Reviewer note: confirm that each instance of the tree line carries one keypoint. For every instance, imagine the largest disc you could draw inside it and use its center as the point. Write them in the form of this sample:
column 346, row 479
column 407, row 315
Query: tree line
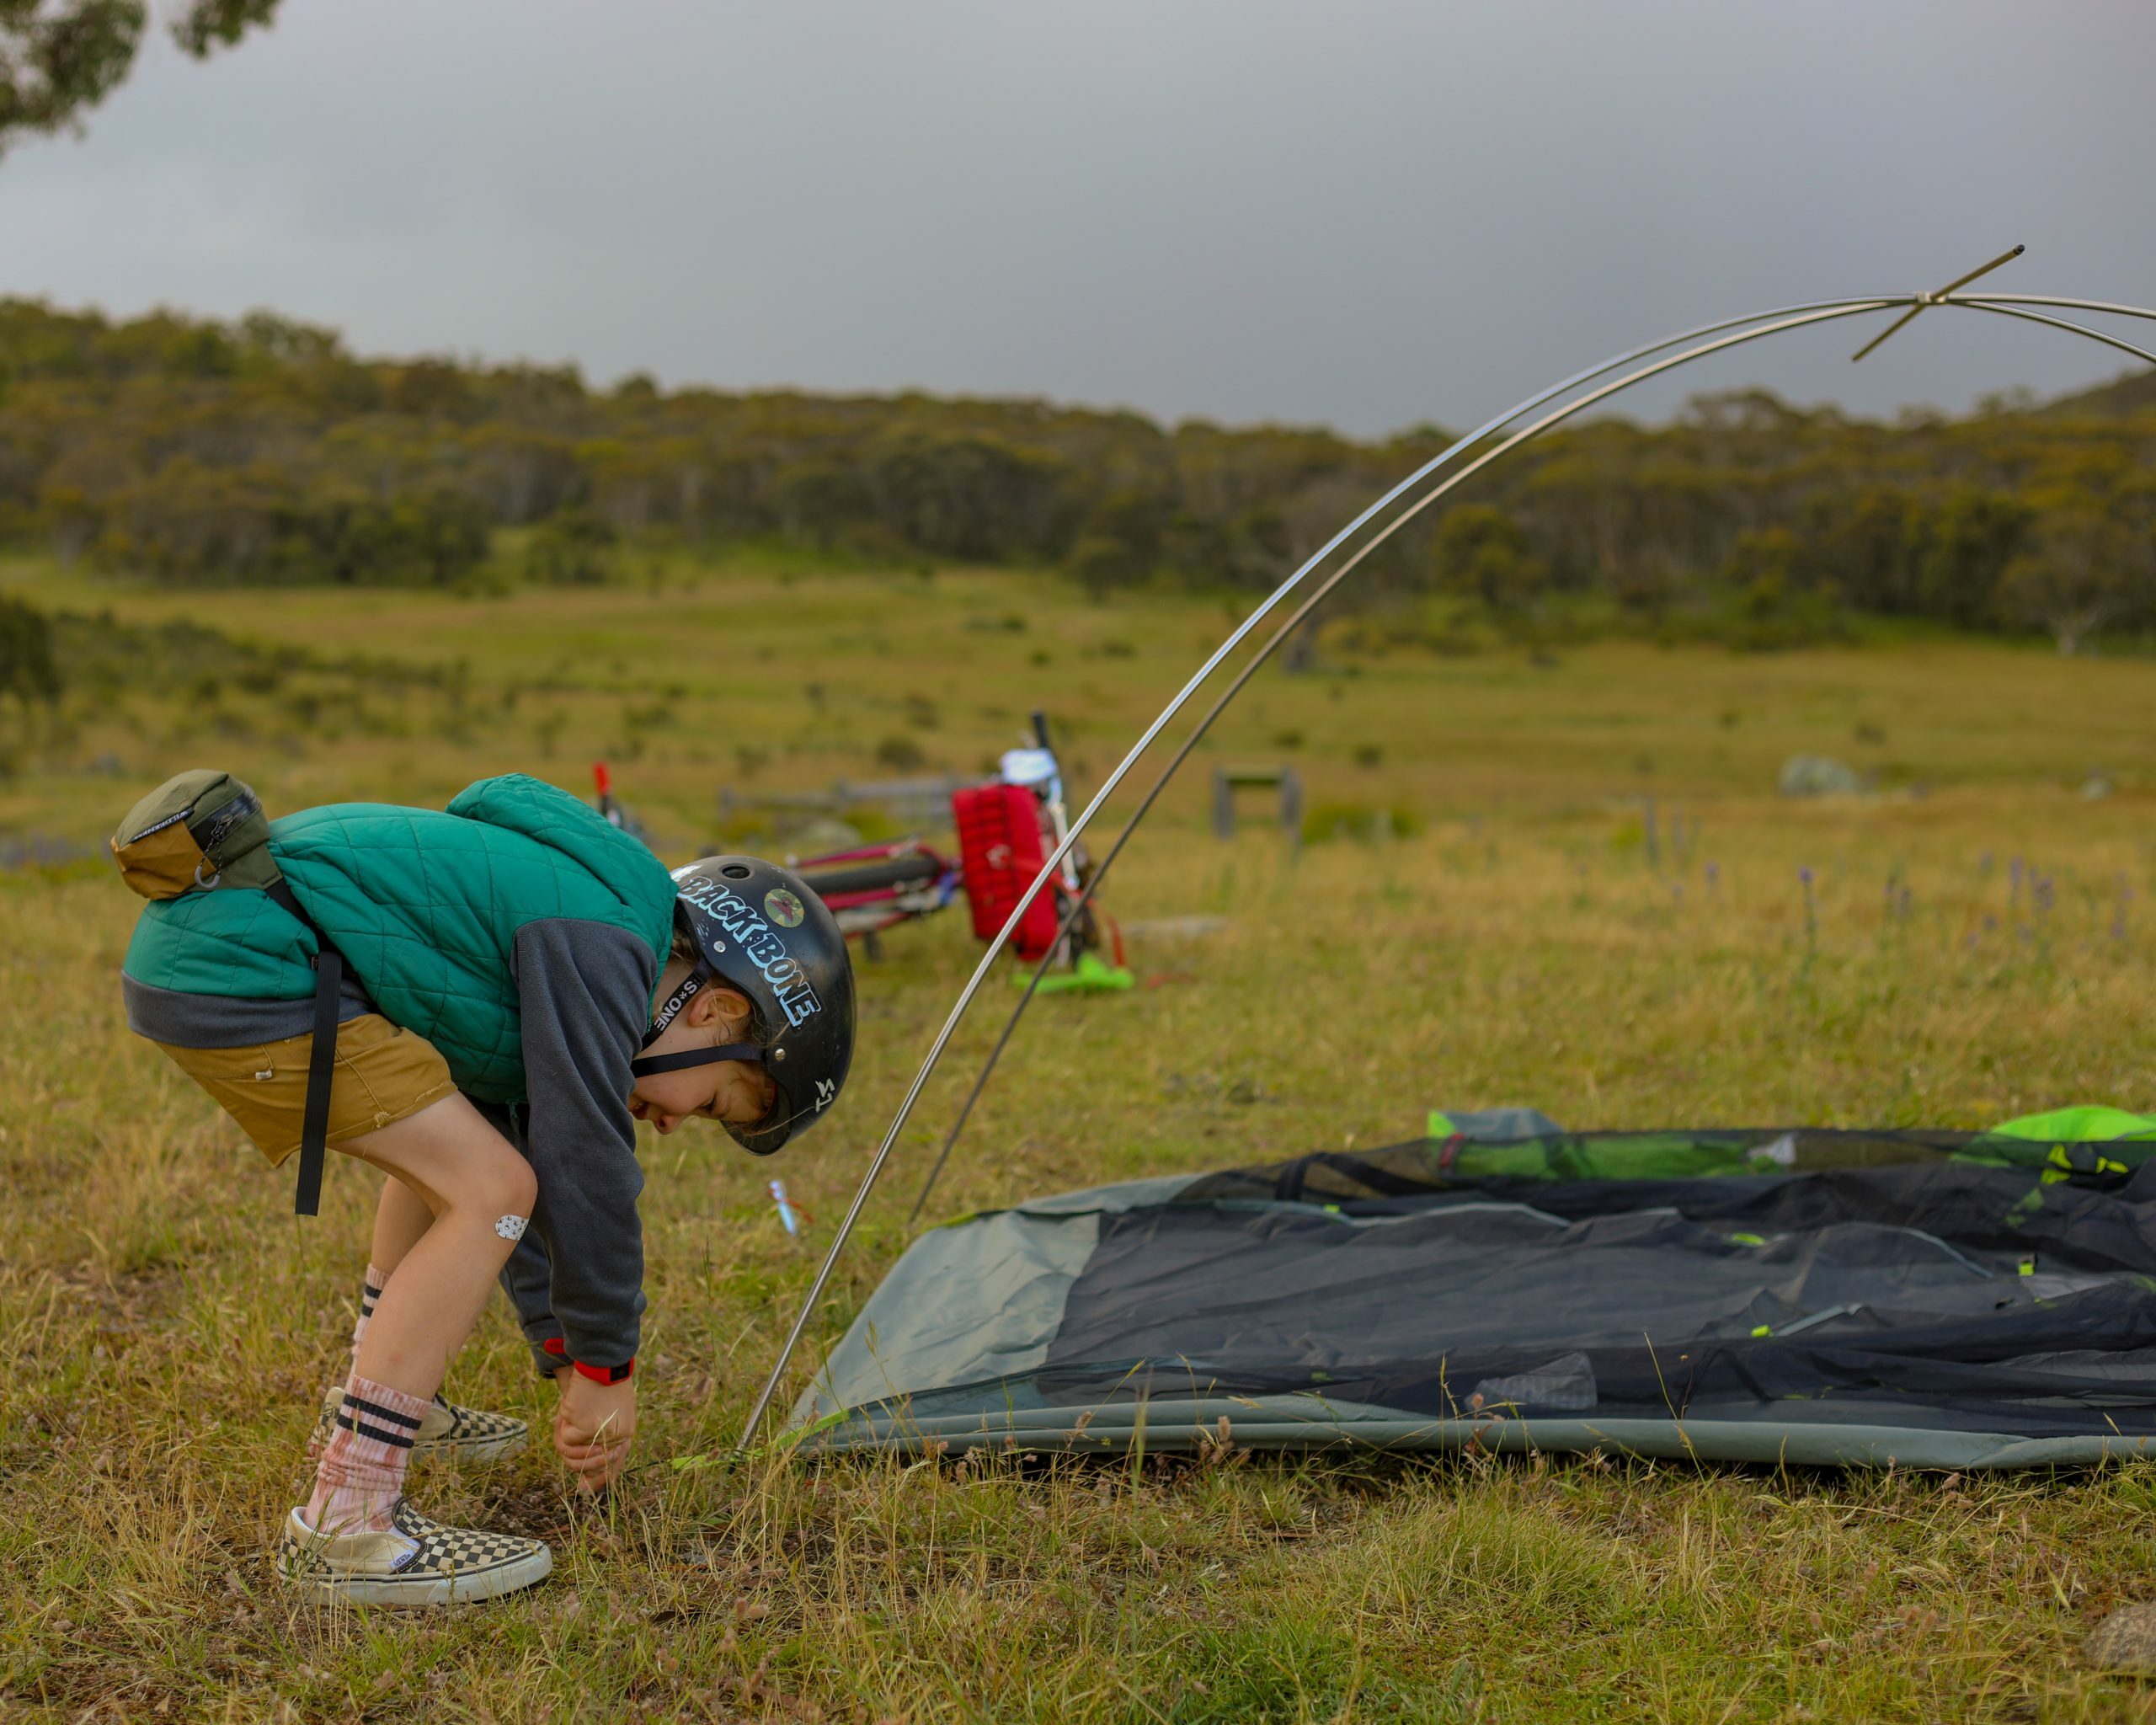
column 261, row 451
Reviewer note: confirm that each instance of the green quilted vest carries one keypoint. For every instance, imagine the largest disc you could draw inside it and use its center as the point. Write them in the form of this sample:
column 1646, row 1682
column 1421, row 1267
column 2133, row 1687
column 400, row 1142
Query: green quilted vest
column 425, row 908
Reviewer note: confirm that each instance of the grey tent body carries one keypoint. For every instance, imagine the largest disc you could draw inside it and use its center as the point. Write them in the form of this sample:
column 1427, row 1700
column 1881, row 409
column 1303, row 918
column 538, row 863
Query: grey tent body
column 1929, row 1300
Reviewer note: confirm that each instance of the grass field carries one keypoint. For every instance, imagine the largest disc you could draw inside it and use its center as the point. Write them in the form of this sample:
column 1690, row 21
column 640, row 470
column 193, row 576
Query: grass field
column 1974, row 942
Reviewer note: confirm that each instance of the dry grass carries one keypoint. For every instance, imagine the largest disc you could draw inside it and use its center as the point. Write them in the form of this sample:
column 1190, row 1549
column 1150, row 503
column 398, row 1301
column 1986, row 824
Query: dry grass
column 164, row 1326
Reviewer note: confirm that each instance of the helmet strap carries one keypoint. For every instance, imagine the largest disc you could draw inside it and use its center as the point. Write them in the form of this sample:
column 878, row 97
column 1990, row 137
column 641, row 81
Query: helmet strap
column 690, row 987
column 651, row 1065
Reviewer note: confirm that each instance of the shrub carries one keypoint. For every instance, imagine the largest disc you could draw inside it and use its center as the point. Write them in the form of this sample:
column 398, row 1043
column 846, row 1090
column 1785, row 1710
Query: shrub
column 901, row 753
column 28, row 669
column 1364, row 821
column 573, row 548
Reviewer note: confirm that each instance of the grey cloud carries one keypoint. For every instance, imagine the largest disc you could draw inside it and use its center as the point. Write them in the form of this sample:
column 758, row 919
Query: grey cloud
column 1367, row 214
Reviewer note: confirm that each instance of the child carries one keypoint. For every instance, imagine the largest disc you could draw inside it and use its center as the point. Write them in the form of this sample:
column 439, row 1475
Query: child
column 504, row 988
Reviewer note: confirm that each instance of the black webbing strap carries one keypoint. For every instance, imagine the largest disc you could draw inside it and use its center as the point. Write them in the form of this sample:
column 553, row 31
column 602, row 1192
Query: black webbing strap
column 321, row 1068
column 646, row 1066
column 321, row 1057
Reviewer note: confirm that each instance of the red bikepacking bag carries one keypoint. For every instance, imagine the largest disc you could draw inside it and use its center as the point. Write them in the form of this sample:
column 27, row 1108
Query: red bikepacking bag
column 1000, row 845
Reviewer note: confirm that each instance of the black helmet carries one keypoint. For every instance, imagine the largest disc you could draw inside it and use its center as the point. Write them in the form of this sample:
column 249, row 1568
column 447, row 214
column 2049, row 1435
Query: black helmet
column 762, row 930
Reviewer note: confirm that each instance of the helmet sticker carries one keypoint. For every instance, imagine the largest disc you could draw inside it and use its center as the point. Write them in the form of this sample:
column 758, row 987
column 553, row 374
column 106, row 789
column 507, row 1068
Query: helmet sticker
column 783, row 908
column 763, row 948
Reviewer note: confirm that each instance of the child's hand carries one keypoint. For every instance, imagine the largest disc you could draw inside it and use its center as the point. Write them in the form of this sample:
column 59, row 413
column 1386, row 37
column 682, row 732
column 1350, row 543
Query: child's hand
column 592, row 1427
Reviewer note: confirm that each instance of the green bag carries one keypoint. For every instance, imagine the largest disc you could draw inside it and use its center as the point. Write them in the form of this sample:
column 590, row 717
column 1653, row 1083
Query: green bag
column 196, row 830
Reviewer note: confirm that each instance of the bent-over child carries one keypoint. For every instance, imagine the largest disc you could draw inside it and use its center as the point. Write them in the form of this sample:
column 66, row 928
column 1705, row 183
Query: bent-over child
column 481, row 1003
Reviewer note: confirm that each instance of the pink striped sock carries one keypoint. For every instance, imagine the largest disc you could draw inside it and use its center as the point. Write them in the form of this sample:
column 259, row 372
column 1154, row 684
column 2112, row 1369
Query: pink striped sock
column 361, row 1472
column 370, row 1292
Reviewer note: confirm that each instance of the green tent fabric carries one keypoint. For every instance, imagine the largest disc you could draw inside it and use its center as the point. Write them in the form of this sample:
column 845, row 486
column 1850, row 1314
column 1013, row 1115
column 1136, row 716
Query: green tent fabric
column 1090, row 976
column 2088, row 1123
column 1924, row 1299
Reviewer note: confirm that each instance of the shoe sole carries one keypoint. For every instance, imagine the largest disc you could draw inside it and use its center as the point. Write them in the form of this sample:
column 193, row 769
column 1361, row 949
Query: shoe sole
column 438, row 1587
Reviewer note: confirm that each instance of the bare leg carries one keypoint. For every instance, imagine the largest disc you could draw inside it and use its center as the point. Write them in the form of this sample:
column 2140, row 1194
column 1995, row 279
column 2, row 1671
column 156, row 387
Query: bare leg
column 466, row 1177
column 399, row 1220
column 401, row 1216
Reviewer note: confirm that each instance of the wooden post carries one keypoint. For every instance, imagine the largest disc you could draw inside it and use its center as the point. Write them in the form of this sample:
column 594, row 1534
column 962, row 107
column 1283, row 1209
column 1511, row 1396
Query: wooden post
column 1285, row 780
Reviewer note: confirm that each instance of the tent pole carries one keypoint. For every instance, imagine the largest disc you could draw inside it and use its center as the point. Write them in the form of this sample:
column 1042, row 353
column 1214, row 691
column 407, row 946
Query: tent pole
column 1933, row 299
column 2065, row 324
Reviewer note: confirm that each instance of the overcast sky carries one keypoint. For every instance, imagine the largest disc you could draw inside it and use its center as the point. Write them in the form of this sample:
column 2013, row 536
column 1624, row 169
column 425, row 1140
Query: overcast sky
column 1370, row 214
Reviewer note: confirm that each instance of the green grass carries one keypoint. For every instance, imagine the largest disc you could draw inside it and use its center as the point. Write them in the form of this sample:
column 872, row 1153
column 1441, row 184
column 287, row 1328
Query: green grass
column 165, row 1325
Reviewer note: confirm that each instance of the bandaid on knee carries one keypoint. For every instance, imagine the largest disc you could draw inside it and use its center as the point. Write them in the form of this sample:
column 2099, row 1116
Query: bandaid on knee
column 512, row 1227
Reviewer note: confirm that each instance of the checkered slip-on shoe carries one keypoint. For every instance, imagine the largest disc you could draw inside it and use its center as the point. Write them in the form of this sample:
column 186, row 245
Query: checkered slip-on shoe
column 444, row 1429
column 419, row 1561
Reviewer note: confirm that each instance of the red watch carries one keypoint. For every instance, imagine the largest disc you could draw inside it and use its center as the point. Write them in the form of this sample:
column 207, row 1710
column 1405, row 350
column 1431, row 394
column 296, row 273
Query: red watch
column 598, row 1374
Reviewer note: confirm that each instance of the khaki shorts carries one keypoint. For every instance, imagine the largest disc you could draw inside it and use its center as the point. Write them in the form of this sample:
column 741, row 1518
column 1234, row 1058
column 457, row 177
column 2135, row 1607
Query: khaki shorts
column 382, row 1074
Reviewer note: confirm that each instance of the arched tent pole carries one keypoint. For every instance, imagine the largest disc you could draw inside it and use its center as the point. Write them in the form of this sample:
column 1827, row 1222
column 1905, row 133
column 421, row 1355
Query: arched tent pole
column 1317, row 597
column 2051, row 299
column 2065, row 324
column 1796, row 316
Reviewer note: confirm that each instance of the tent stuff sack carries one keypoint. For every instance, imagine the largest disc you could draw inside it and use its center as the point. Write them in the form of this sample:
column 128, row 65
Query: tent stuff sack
column 1914, row 1298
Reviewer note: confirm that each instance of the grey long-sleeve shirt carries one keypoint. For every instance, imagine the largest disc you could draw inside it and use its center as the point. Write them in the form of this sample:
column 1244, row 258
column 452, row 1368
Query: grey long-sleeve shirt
column 584, row 989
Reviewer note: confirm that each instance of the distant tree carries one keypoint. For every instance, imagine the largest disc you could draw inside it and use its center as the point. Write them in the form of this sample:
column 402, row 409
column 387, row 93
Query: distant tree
column 1776, row 604
column 1481, row 551
column 574, row 549
column 522, row 475
column 819, row 499
column 433, row 389
column 639, row 482
column 1969, row 539
column 1197, row 548
column 1581, row 504
column 971, row 495
column 73, row 490
column 1868, row 545
column 28, row 669
column 60, row 58
column 191, row 521
column 1762, row 569
column 625, row 481
column 2075, row 577
column 1120, row 543
column 1102, row 566
column 427, row 536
